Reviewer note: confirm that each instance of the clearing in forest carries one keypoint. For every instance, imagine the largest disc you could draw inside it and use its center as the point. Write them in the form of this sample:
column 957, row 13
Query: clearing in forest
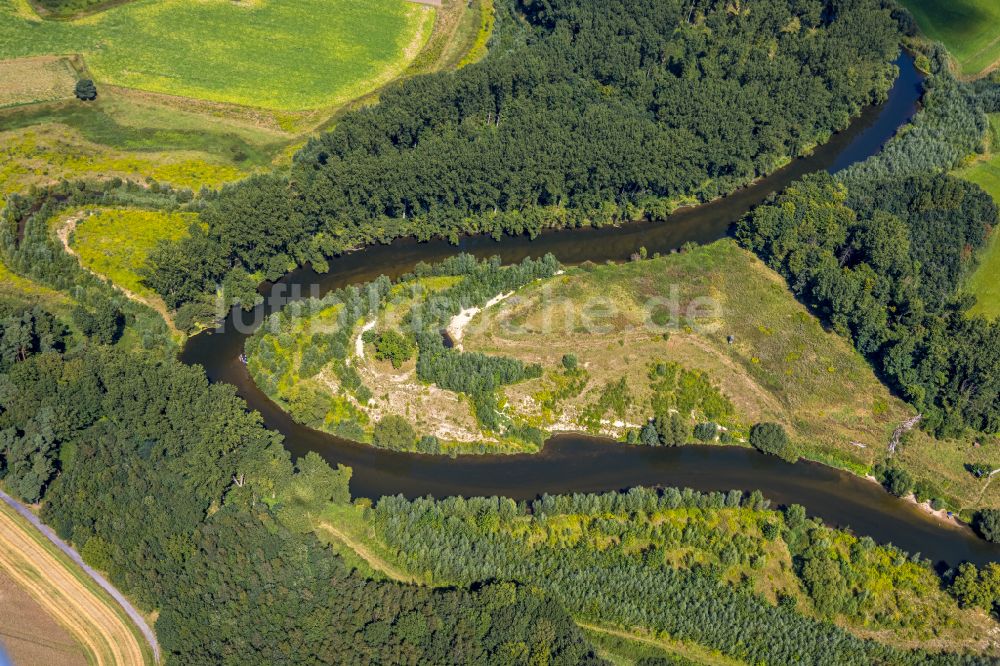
column 115, row 243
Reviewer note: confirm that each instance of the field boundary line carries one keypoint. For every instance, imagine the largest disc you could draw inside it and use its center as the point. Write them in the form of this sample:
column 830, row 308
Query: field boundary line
column 46, row 531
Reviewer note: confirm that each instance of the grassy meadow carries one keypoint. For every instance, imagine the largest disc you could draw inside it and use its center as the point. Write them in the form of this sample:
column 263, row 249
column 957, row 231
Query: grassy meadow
column 115, row 242
column 45, row 154
column 259, row 53
column 970, row 29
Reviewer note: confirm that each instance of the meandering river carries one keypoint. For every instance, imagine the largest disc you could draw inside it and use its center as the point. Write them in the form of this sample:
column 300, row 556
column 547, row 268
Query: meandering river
column 577, row 463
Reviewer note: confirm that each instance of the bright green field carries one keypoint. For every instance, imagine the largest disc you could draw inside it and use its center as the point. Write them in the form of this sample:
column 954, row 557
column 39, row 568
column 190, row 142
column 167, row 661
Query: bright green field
column 985, row 282
column 970, row 29
column 277, row 54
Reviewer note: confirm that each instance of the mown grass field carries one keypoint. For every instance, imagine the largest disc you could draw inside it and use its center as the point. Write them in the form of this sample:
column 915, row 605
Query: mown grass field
column 970, row 29
column 985, row 282
column 31, row 80
column 259, row 53
column 115, row 242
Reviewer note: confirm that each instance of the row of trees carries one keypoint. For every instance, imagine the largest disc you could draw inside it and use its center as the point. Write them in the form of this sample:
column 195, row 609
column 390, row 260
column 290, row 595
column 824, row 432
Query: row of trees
column 659, row 560
column 584, row 113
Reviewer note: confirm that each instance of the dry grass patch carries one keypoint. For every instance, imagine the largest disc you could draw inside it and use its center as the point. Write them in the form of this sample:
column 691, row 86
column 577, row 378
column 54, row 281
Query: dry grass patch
column 66, row 593
column 781, row 366
column 32, row 80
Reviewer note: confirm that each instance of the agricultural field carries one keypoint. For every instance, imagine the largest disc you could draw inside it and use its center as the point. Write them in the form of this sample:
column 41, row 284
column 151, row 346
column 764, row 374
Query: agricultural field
column 33, row 80
column 115, row 242
column 304, row 55
column 100, row 628
column 985, row 171
column 970, row 29
column 29, row 634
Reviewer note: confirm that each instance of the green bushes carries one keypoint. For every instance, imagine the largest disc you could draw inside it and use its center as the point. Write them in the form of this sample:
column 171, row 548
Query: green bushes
column 394, row 347
column 771, row 438
column 987, row 523
column 394, row 432
column 706, row 432
column 85, row 90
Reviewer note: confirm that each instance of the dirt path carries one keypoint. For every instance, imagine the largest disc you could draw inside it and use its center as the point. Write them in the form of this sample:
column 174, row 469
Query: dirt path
column 697, row 653
column 374, row 560
column 359, row 343
column 55, row 575
column 65, row 230
column 456, row 327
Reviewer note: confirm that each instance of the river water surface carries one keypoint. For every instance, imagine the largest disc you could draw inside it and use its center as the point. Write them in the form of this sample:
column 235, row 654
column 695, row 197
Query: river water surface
column 578, row 463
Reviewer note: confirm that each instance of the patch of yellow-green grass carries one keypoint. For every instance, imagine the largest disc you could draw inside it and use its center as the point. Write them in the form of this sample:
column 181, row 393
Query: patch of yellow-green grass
column 115, row 242
column 22, row 290
column 261, row 53
column 44, row 154
column 487, row 16
column 625, row 648
column 969, row 29
column 31, row 80
column 781, row 366
column 942, row 465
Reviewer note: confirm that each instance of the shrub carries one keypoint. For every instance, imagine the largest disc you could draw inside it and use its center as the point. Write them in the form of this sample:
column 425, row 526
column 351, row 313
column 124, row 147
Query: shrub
column 897, row 481
column 570, row 362
column 987, row 523
column 86, row 90
column 394, row 432
column 673, row 430
column 978, row 470
column 394, row 347
column 706, row 432
column 772, row 438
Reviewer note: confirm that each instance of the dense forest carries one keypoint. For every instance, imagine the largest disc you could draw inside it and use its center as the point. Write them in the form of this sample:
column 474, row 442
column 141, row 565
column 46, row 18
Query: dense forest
column 584, row 112
column 884, row 270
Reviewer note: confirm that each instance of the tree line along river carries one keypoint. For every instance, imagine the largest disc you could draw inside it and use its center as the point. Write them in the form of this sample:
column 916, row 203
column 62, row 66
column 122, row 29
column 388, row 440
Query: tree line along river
column 578, row 463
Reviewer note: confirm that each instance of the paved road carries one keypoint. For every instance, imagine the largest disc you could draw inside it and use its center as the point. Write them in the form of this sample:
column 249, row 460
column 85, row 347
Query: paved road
column 134, row 614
